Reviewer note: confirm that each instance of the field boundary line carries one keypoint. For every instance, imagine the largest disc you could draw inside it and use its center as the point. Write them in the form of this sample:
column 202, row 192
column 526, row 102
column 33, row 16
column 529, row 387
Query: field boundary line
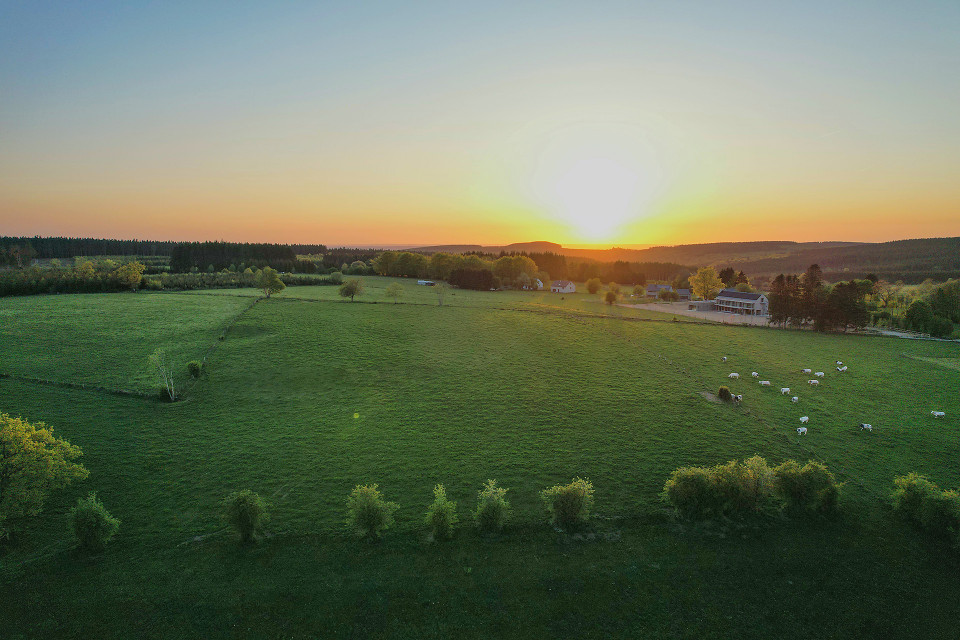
column 77, row 385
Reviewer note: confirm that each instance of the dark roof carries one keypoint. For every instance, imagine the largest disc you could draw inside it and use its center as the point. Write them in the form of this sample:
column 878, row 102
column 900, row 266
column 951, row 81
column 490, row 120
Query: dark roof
column 560, row 283
column 683, row 292
column 658, row 287
column 742, row 295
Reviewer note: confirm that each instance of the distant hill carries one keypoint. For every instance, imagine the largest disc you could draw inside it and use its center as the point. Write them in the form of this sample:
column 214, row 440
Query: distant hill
column 907, row 260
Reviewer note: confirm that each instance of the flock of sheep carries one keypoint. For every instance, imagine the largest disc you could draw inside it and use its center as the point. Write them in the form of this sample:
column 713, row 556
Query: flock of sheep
column 814, row 382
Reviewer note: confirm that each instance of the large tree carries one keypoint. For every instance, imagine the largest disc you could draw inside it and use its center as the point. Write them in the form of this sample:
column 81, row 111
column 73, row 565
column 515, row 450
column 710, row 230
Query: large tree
column 269, row 282
column 706, row 284
column 728, row 276
column 131, row 274
column 351, row 288
column 33, row 462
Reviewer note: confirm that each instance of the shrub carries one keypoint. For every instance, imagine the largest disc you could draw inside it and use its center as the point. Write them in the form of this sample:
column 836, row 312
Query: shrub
column 692, row 492
column 909, row 493
column 336, row 277
column 569, row 505
column 724, row 394
column 92, row 523
column 246, row 512
column 493, row 510
column 940, row 327
column 940, row 514
column 811, row 488
column 367, row 512
column 744, row 486
column 442, row 514
column 925, row 504
column 195, row 368
column 726, row 489
column 593, row 285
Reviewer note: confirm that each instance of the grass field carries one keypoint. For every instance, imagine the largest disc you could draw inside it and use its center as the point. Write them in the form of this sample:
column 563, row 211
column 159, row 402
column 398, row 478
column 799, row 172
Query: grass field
column 525, row 388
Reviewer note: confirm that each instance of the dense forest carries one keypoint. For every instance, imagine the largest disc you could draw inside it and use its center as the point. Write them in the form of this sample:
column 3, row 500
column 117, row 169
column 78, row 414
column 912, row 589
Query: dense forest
column 15, row 250
column 215, row 256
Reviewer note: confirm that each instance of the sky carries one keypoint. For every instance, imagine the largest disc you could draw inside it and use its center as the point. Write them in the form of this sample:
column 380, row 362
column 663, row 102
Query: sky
column 388, row 123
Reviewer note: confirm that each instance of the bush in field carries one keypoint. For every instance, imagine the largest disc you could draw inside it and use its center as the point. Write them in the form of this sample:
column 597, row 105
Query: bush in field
column 441, row 514
column 925, row 504
column 351, row 288
column 593, row 285
column 569, row 505
column 744, row 486
column 692, row 492
column 368, row 514
column 811, row 488
column 909, row 493
column 493, row 510
column 195, row 368
column 246, row 512
column 92, row 523
column 610, row 297
column 733, row 488
column 724, row 394
column 940, row 327
column 336, row 277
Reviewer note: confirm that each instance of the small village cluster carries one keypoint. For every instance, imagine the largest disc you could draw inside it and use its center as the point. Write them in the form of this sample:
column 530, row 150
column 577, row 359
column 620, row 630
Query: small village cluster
column 813, row 382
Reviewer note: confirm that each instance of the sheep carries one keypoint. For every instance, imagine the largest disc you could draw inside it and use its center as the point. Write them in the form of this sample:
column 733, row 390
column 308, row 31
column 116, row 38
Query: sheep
column 813, row 382
column 784, row 390
column 764, row 383
column 839, row 364
column 806, row 370
column 804, row 419
column 794, row 399
column 735, row 376
column 867, row 427
column 843, row 368
column 801, row 431
column 723, row 359
column 755, row 374
column 938, row 414
column 819, row 374
column 738, row 398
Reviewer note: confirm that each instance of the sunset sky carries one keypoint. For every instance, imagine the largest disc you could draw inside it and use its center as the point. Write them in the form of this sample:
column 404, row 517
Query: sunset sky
column 425, row 123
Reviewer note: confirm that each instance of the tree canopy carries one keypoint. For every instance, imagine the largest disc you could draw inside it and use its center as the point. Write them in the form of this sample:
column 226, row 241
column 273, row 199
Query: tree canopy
column 706, row 283
column 33, row 462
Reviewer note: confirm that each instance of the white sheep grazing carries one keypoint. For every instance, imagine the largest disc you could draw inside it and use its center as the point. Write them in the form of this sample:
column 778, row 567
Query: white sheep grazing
column 738, row 398
column 723, row 359
column 804, row 419
column 843, row 368
column 801, row 431
column 867, row 427
column 794, row 399
column 806, row 370
column 813, row 382
column 839, row 364
column 784, row 390
column 839, row 370
column 819, row 374
column 755, row 374
column 938, row 414
column 764, row 383
column 735, row 376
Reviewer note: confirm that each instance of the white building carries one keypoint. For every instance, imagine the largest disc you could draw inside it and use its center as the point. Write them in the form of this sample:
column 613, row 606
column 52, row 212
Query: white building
column 563, row 286
column 741, row 303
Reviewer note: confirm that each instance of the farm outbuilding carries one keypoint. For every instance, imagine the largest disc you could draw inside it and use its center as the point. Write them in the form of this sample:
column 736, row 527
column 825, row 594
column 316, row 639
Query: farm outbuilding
column 654, row 289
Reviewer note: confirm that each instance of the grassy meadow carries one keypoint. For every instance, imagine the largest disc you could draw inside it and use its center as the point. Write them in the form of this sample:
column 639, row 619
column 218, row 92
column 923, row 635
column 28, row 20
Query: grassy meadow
column 309, row 395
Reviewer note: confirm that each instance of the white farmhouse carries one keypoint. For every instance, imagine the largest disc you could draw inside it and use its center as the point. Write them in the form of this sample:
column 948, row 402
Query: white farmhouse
column 741, row 303
column 563, row 286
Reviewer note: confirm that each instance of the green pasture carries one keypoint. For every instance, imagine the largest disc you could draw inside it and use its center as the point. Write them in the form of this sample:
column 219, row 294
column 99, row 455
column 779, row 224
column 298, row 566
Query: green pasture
column 309, row 395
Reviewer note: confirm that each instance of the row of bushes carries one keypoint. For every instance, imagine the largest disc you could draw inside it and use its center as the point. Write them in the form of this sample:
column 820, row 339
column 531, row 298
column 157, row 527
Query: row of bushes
column 751, row 486
column 369, row 514
column 928, row 506
column 734, row 488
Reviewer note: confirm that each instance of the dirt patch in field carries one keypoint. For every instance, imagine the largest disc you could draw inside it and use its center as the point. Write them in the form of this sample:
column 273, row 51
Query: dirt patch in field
column 946, row 363
column 710, row 397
